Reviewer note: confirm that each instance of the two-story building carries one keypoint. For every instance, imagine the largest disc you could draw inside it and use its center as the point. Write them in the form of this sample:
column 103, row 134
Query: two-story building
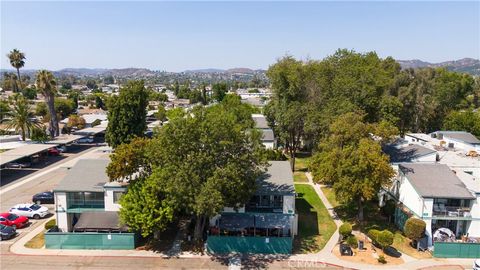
column 434, row 193
column 86, row 210
column 268, row 137
column 266, row 224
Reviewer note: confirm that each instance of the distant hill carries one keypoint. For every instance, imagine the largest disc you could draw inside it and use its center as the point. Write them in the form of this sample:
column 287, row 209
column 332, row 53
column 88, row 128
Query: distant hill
column 465, row 65
column 241, row 70
column 205, row 70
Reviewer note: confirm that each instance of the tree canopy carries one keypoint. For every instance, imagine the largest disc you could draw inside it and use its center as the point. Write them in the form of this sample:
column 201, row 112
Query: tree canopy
column 199, row 164
column 127, row 114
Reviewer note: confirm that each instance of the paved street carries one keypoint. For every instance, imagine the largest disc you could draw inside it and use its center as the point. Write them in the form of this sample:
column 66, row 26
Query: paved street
column 22, row 186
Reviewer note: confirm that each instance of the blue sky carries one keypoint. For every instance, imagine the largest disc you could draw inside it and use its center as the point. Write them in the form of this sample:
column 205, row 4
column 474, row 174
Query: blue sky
column 175, row 36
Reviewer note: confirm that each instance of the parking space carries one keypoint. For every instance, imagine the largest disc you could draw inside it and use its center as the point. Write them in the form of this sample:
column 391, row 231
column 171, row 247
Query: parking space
column 40, row 162
column 23, row 231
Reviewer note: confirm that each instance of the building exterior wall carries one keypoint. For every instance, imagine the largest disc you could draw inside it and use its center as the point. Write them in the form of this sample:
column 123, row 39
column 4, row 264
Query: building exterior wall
column 61, row 215
column 289, row 204
column 474, row 228
column 269, row 144
column 110, row 204
column 409, row 196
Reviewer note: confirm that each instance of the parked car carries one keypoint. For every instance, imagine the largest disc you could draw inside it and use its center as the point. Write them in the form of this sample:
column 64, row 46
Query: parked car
column 62, row 148
column 31, row 210
column 85, row 140
column 13, row 220
column 7, row 232
column 43, row 198
column 53, row 151
column 18, row 165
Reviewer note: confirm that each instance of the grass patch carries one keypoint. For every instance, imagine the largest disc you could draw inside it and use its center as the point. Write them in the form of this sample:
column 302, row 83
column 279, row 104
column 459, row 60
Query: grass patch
column 315, row 226
column 36, row 242
column 300, row 177
column 301, row 161
column 332, row 199
column 402, row 243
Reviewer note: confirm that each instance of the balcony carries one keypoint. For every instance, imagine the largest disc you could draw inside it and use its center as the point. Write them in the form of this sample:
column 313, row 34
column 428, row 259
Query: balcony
column 441, row 210
column 79, row 202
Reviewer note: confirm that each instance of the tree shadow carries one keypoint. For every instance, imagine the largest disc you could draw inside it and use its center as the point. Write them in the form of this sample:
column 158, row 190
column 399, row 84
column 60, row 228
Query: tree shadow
column 306, row 240
column 392, row 252
column 164, row 242
column 250, row 261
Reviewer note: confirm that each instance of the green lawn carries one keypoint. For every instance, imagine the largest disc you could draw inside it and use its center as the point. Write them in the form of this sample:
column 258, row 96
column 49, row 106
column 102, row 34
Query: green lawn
column 315, row 226
column 300, row 177
column 301, row 161
column 330, row 196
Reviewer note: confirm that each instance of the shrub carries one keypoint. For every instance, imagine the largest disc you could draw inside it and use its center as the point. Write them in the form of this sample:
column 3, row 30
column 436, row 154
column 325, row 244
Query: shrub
column 414, row 228
column 352, row 241
column 50, row 224
column 385, row 238
column 381, row 259
column 373, row 234
column 345, row 229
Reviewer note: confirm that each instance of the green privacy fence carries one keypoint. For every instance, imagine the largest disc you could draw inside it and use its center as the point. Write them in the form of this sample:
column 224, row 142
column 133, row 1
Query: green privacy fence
column 456, row 250
column 60, row 240
column 246, row 244
column 400, row 218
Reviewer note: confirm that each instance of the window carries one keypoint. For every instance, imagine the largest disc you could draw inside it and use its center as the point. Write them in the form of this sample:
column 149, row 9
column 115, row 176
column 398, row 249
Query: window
column 116, row 196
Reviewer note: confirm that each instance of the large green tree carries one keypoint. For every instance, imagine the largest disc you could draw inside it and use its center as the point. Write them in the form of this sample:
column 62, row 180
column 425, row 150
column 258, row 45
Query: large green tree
column 21, row 117
column 352, row 161
column 17, row 60
column 286, row 112
column 127, row 114
column 47, row 85
column 199, row 164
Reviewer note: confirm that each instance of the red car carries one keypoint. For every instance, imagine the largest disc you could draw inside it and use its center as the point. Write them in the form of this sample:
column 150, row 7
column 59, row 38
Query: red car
column 53, row 151
column 13, row 220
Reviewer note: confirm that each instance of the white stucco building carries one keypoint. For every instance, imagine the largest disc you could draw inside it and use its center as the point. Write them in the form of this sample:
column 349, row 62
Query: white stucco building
column 86, row 189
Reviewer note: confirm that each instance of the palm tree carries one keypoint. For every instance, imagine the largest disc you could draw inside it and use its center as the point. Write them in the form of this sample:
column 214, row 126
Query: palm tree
column 21, row 117
column 47, row 85
column 17, row 60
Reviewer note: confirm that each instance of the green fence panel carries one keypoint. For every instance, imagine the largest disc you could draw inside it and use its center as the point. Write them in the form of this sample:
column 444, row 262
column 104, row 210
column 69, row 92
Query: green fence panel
column 54, row 240
column 400, row 218
column 456, row 250
column 264, row 245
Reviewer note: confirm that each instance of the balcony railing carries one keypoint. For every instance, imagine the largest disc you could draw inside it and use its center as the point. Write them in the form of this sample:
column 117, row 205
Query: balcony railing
column 451, row 211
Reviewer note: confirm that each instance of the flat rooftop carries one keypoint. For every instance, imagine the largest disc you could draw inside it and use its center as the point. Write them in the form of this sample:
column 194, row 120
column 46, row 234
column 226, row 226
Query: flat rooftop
column 435, row 181
column 23, row 151
column 87, row 175
column 277, row 180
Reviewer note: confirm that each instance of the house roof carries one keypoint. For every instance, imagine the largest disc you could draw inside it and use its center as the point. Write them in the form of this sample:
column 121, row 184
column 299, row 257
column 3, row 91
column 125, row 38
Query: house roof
column 461, row 136
column 260, row 121
column 99, row 221
column 277, row 180
column 407, row 153
column 25, row 150
column 86, row 175
column 435, row 181
column 267, row 135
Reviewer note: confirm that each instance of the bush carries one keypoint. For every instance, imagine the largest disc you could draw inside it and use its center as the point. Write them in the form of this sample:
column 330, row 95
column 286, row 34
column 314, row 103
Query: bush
column 373, row 234
column 345, row 229
column 381, row 259
column 39, row 135
column 352, row 241
column 50, row 224
column 414, row 228
column 385, row 238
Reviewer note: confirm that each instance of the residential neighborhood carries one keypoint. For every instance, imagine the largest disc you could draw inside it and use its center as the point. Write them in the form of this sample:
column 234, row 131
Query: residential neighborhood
column 240, row 135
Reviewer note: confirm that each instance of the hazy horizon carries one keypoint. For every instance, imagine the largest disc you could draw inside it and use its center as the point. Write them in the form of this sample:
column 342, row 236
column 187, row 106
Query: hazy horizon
column 179, row 36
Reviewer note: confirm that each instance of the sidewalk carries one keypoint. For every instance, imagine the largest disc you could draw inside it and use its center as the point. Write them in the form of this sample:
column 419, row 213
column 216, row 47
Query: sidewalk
column 326, row 254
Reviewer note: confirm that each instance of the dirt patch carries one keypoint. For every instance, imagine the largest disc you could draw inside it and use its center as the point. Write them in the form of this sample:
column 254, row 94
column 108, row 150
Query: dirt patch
column 368, row 255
